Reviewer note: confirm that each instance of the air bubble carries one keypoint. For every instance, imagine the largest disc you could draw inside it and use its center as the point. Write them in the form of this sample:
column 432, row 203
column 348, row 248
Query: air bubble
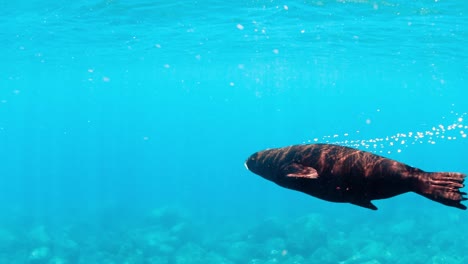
column 447, row 131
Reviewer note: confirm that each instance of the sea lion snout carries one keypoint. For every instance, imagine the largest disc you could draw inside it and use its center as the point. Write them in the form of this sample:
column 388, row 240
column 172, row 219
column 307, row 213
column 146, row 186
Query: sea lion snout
column 259, row 163
column 251, row 162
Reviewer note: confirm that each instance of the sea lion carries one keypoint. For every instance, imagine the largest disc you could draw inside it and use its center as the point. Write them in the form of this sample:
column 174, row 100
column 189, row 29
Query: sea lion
column 346, row 175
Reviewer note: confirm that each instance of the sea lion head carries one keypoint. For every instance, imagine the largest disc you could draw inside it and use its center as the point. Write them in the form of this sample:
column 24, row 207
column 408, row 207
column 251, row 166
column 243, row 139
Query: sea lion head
column 252, row 163
column 260, row 164
column 281, row 165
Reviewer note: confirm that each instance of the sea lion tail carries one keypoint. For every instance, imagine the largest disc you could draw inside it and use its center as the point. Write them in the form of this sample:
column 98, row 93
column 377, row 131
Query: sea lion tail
column 443, row 187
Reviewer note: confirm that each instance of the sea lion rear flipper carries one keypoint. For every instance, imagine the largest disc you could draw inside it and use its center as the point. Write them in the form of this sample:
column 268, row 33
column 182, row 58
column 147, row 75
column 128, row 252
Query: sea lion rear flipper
column 365, row 204
column 442, row 187
column 300, row 171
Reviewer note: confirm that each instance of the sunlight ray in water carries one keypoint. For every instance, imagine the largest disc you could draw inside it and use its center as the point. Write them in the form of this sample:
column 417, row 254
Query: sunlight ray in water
column 124, row 125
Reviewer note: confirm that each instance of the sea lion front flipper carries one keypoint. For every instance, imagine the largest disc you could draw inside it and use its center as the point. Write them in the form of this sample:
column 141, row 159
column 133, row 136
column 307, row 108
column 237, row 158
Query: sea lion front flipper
column 300, row 171
column 365, row 204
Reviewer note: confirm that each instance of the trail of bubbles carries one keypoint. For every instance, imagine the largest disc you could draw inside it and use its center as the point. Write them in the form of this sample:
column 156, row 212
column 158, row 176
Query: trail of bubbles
column 450, row 131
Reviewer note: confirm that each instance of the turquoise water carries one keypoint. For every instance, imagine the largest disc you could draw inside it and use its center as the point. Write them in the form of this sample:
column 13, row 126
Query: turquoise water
column 124, row 127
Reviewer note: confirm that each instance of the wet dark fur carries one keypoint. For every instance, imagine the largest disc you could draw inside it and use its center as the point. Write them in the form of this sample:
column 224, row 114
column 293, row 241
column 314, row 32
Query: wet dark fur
column 353, row 176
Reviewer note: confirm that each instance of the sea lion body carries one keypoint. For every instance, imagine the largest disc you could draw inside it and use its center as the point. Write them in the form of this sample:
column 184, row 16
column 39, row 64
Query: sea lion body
column 342, row 174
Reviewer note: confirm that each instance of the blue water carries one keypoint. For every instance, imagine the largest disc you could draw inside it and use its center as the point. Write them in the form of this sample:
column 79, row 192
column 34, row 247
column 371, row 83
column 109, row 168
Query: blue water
column 124, row 126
